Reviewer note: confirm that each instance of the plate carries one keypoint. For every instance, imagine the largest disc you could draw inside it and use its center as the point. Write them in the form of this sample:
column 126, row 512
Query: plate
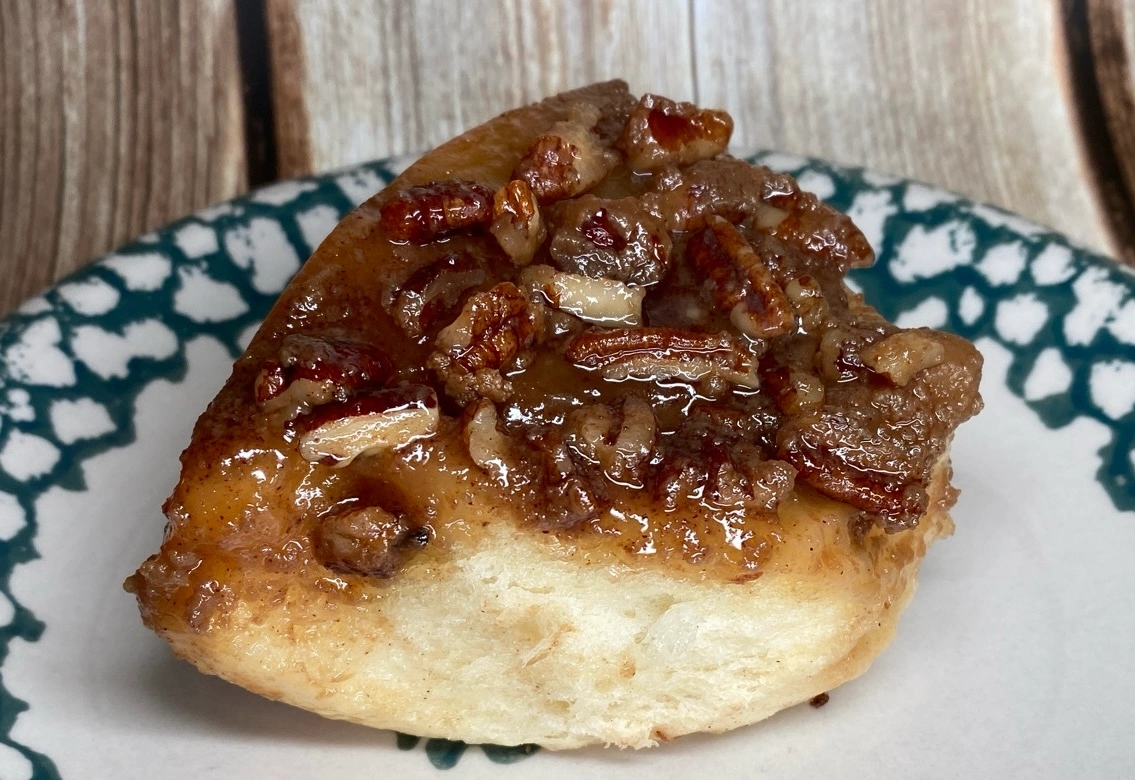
column 1015, row 658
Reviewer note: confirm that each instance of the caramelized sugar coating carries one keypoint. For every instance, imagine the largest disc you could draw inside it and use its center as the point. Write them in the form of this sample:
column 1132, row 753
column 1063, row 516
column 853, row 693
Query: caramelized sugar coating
column 639, row 344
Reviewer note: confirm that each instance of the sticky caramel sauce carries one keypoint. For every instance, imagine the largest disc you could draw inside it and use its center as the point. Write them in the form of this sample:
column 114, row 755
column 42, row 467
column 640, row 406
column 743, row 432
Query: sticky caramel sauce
column 248, row 502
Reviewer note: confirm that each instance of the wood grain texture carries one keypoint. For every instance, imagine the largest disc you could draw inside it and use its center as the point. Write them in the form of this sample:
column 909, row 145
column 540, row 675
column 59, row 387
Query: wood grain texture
column 381, row 77
column 115, row 117
column 968, row 96
column 1111, row 31
column 971, row 97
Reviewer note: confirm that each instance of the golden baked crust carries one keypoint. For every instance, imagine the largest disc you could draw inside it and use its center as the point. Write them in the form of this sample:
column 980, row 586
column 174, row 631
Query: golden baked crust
column 439, row 578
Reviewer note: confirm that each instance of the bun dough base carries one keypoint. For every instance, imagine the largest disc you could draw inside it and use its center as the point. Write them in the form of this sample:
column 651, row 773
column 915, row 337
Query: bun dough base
column 512, row 638
column 495, row 632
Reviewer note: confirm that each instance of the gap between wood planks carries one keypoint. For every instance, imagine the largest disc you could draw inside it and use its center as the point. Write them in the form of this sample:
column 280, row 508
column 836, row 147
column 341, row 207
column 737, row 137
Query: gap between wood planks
column 1083, row 27
column 256, row 82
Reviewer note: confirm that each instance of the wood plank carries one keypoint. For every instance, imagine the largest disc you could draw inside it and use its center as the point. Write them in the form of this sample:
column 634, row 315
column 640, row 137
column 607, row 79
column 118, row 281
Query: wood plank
column 115, row 117
column 970, row 98
column 360, row 80
column 1111, row 26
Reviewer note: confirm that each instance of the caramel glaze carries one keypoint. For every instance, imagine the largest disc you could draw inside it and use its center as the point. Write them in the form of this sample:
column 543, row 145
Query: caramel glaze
column 248, row 501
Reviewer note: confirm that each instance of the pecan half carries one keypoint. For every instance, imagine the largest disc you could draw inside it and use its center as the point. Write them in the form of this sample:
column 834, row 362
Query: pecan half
column 663, row 353
column 492, row 330
column 661, row 132
column 567, row 160
column 316, row 368
column 368, row 541
column 425, row 212
column 617, row 239
column 517, row 224
column 599, row 301
column 433, row 290
column 741, row 283
column 336, row 434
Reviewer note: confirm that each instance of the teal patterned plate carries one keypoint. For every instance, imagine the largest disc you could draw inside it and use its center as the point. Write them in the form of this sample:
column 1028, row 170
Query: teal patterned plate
column 1015, row 660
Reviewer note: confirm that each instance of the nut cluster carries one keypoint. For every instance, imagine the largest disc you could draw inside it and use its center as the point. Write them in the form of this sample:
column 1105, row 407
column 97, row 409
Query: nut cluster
column 629, row 263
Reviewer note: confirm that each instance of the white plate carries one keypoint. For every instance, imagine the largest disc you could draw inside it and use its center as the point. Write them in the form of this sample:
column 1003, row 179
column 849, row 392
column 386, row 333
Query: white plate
column 1015, row 659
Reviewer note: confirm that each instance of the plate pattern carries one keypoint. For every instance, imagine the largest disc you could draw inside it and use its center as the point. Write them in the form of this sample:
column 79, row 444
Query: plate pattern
column 73, row 360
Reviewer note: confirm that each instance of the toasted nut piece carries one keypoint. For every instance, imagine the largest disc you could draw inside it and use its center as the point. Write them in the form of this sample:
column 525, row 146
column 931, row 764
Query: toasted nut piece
column 621, row 441
column 433, row 290
column 742, row 284
column 678, row 477
column 336, row 434
column 567, row 160
column 315, row 368
column 739, row 475
column 517, row 224
column 839, row 357
column 599, row 301
column 426, row 212
column 492, row 330
column 368, row 541
column 662, row 132
column 297, row 397
column 635, row 443
column 617, row 239
column 796, row 391
column 664, row 353
column 488, row 447
column 808, row 301
column 744, row 194
column 902, row 355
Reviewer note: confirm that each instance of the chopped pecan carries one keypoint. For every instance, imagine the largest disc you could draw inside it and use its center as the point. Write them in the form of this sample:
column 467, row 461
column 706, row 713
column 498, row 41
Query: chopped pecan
column 426, row 212
column 741, row 283
column 662, row 132
column 368, row 541
column 568, row 495
column 796, row 391
column 517, row 224
column 679, row 476
column 336, row 434
column 873, row 444
column 433, row 290
column 902, row 355
column 620, row 440
column 763, row 200
column 572, row 501
column 617, row 239
column 865, row 469
column 808, row 301
column 740, row 476
column 567, row 160
column 599, row 301
column 839, row 356
column 315, row 368
column 663, row 353
column 492, row 330
column 488, row 446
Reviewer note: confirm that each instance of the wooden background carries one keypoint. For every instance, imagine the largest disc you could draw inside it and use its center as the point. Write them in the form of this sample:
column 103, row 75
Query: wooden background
column 117, row 116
